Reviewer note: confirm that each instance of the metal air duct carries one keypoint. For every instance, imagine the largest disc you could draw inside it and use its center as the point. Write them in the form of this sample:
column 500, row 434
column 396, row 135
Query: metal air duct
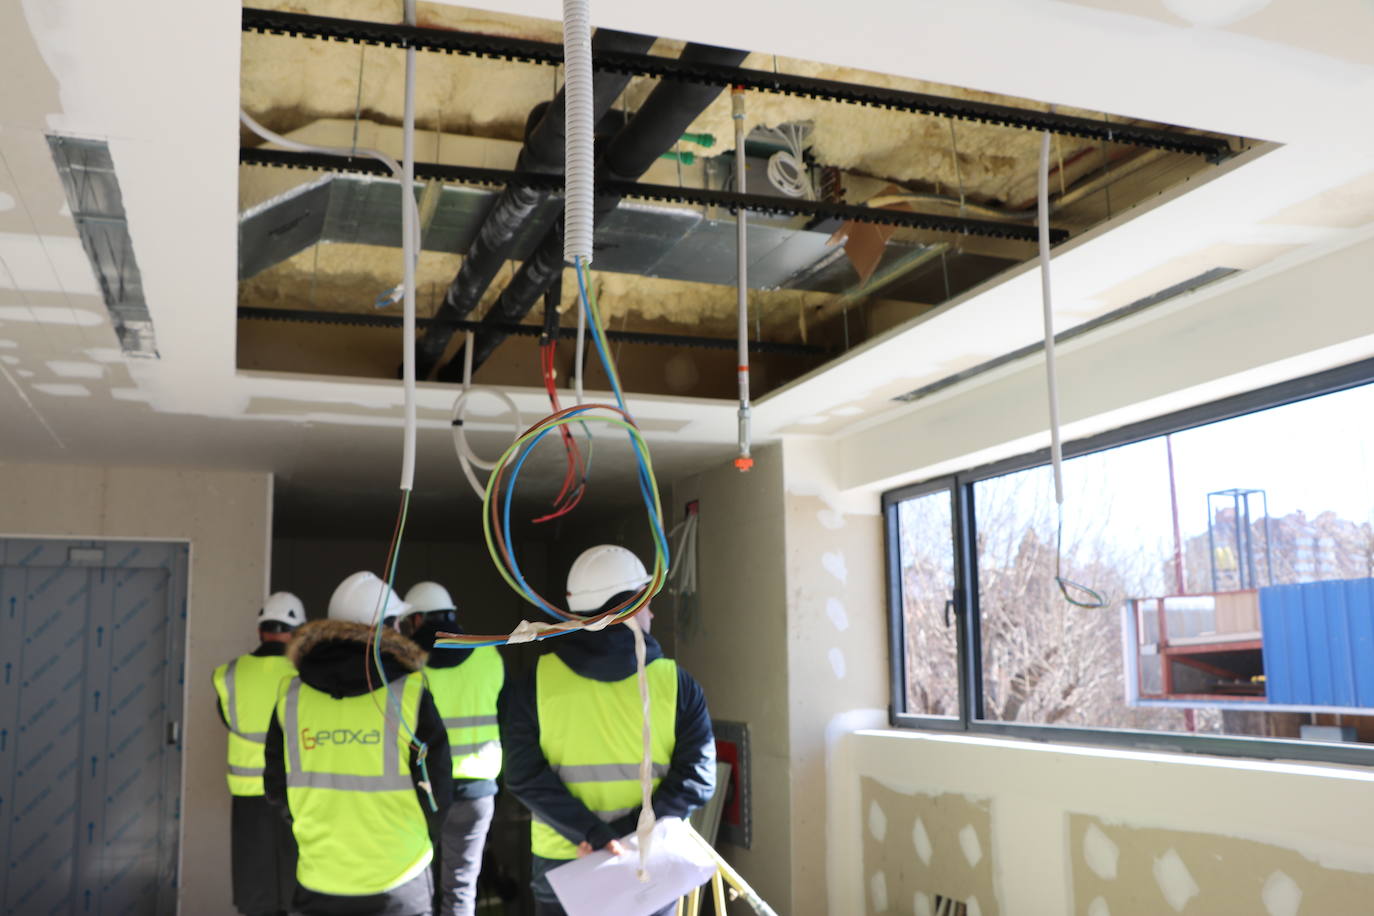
column 656, row 126
column 543, row 152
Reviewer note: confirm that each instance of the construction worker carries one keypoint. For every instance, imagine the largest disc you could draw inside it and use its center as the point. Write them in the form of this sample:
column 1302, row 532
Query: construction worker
column 343, row 757
column 262, row 850
column 572, row 732
column 465, row 684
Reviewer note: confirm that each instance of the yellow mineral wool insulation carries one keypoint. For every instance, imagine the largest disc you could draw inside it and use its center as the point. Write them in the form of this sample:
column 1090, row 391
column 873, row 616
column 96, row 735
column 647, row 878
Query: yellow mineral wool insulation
column 348, row 278
column 288, row 82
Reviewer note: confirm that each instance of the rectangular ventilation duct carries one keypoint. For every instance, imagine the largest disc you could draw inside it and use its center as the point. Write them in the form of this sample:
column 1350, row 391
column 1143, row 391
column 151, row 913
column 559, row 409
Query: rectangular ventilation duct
column 648, row 239
column 88, row 176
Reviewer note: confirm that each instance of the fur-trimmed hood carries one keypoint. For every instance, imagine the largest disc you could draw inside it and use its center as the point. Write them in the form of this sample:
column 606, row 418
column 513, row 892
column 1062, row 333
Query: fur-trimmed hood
column 331, row 654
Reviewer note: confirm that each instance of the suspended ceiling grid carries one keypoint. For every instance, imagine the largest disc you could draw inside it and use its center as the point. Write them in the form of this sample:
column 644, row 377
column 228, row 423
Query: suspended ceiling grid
column 467, row 107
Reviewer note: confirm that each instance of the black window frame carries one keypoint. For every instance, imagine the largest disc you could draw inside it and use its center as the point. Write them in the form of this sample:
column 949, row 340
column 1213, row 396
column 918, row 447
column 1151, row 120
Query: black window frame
column 960, row 486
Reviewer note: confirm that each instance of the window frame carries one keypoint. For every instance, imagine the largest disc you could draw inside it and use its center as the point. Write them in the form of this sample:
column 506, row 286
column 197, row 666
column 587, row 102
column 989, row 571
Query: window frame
column 960, row 486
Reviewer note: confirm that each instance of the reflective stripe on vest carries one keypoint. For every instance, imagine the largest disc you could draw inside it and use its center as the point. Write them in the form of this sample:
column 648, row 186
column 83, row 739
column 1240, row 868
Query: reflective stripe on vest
column 247, row 687
column 466, row 697
column 591, row 733
column 359, row 826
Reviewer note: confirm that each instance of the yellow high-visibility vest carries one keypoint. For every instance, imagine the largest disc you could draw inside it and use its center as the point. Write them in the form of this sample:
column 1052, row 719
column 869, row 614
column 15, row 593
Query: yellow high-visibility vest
column 466, row 698
column 358, row 823
column 592, row 735
column 247, row 688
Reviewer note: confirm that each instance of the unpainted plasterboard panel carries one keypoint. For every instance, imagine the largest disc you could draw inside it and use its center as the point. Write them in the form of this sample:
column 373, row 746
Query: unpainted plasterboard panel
column 920, row 847
column 1127, row 870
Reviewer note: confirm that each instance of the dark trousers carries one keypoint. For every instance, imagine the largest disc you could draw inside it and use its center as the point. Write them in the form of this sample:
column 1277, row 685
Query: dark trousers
column 414, row 898
column 263, row 857
column 461, row 841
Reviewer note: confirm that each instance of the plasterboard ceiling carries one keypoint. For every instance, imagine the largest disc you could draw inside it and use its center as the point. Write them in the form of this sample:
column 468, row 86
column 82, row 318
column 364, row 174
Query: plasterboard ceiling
column 1281, row 74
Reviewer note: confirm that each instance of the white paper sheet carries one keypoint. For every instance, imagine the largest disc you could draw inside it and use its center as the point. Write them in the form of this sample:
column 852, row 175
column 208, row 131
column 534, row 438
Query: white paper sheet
column 604, row 885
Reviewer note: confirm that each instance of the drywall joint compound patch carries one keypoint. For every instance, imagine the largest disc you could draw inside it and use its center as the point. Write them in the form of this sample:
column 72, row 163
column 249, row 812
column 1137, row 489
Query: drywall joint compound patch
column 1175, row 882
column 1100, row 853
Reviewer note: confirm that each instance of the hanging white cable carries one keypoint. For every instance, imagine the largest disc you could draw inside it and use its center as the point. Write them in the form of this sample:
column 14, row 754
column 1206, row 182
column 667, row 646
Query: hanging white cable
column 410, row 243
column 745, row 461
column 644, row 829
column 1043, row 220
column 348, row 152
column 410, row 236
column 579, row 144
column 1068, row 588
column 467, row 458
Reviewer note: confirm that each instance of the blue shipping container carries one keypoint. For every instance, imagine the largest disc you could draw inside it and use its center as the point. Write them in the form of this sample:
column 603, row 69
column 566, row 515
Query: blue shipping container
column 1319, row 643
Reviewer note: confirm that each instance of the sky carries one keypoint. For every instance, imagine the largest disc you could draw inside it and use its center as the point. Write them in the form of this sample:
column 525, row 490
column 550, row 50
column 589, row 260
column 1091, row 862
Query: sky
column 1312, row 456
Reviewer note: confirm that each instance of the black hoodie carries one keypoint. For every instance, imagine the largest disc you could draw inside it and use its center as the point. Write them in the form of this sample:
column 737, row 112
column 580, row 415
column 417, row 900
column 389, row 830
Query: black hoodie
column 608, row 655
column 329, row 656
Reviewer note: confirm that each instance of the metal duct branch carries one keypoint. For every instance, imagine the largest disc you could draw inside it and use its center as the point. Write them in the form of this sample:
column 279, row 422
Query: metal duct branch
column 656, row 126
column 542, row 153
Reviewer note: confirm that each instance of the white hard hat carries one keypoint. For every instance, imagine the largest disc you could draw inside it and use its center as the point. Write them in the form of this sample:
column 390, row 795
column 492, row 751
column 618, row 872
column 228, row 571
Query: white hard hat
column 424, row 597
column 358, row 598
column 601, row 573
column 282, row 607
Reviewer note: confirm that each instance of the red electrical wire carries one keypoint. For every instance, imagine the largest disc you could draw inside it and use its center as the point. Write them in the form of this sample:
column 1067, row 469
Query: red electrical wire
column 572, row 490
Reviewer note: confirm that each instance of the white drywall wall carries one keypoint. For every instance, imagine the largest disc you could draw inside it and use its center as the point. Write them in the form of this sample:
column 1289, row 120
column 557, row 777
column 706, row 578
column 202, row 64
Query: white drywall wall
column 226, row 517
column 1321, row 812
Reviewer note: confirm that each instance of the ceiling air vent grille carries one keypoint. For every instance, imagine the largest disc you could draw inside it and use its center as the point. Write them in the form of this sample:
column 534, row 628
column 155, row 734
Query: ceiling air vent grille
column 1169, row 292
column 93, row 195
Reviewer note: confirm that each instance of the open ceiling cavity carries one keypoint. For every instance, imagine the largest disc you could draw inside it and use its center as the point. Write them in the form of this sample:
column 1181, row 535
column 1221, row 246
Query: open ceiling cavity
column 903, row 195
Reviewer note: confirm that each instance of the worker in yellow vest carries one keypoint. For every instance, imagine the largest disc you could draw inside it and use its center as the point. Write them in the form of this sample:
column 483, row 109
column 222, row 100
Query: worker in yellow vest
column 358, row 756
column 572, row 731
column 466, row 684
column 262, row 850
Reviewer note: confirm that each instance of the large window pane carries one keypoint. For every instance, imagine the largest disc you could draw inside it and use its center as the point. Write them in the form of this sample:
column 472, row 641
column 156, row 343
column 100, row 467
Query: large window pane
column 929, row 628
column 1238, row 588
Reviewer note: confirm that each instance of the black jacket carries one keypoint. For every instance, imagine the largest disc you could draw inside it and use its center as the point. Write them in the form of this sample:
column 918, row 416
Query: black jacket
column 329, row 656
column 608, row 655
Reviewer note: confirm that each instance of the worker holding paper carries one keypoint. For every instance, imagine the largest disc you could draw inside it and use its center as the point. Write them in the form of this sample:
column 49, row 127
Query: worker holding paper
column 572, row 731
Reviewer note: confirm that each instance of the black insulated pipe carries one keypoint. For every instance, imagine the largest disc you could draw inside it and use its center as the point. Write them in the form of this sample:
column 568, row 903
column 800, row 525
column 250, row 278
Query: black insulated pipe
column 658, row 124
column 542, row 152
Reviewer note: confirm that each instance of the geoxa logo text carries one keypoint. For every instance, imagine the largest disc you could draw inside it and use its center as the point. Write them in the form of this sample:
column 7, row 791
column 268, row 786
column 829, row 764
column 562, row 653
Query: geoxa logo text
column 339, row 736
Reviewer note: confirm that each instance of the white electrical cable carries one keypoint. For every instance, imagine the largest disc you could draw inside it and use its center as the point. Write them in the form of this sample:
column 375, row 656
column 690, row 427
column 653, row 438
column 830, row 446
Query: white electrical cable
column 1043, row 220
column 467, row 458
column 410, row 236
column 787, row 169
column 579, row 144
column 410, row 243
column 348, row 152
column 644, row 829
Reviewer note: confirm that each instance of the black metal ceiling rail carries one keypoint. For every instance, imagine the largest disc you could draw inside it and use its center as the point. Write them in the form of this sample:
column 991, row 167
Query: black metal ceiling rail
column 371, row 320
column 272, row 22
column 757, row 203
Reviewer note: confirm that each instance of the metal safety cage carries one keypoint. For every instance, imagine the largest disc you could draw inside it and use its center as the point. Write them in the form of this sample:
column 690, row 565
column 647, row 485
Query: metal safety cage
column 964, row 531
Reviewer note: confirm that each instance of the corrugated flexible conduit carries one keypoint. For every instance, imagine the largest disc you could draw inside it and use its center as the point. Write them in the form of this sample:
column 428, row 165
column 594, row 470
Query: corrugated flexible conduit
column 578, row 228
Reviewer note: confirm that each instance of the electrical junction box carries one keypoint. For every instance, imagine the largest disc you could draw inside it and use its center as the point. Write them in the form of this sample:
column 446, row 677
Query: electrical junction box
column 732, row 747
